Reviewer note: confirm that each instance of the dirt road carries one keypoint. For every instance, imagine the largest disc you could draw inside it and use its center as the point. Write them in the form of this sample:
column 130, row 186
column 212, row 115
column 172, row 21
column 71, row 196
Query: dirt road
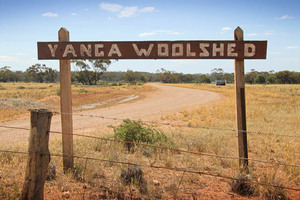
column 163, row 100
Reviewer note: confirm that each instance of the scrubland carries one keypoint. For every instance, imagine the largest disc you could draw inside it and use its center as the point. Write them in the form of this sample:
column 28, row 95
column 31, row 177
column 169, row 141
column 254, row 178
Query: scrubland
column 273, row 114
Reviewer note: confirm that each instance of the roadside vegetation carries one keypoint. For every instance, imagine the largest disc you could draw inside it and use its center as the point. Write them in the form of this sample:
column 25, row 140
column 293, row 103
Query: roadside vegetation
column 89, row 72
column 270, row 109
column 23, row 96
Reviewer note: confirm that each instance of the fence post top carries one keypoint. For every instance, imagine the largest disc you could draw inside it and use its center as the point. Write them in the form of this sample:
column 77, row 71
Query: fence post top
column 63, row 34
column 40, row 111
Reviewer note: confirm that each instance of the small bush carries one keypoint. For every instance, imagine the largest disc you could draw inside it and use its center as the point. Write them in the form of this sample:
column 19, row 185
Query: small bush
column 21, row 87
column 241, row 186
column 274, row 193
column 134, row 175
column 82, row 91
column 138, row 132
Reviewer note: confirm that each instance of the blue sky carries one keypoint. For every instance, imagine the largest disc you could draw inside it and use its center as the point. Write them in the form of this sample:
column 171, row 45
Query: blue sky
column 24, row 23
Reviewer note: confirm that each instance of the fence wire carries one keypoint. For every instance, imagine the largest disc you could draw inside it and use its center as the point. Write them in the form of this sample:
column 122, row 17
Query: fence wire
column 164, row 148
column 158, row 167
column 170, row 124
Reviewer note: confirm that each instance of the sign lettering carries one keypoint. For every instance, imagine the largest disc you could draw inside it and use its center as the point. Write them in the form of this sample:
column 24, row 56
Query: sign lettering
column 153, row 50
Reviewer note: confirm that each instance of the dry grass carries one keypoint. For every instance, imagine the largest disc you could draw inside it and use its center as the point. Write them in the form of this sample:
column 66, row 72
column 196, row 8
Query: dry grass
column 47, row 95
column 270, row 108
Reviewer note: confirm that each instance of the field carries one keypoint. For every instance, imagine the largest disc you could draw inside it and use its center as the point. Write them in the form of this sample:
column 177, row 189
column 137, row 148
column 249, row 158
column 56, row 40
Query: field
column 273, row 113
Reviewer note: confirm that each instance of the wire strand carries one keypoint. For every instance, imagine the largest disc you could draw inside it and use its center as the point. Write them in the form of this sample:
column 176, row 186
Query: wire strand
column 159, row 167
column 164, row 148
column 171, row 124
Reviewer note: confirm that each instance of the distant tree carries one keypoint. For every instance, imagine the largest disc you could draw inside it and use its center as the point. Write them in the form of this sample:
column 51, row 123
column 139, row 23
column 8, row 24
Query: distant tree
column 166, row 76
column 90, row 71
column 229, row 77
column 131, row 76
column 6, row 75
column 217, row 74
column 149, row 77
column 40, row 73
column 270, row 79
column 285, row 77
column 249, row 77
column 260, row 79
column 205, row 79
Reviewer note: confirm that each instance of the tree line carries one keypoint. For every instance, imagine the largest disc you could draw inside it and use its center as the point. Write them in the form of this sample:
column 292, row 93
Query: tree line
column 90, row 72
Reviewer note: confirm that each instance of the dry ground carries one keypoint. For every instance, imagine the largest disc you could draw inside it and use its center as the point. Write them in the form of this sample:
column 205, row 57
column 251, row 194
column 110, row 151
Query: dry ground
column 161, row 101
column 272, row 109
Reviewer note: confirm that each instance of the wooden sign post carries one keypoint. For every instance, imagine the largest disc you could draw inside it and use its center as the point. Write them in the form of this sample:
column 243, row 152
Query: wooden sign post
column 66, row 106
column 238, row 49
column 239, row 79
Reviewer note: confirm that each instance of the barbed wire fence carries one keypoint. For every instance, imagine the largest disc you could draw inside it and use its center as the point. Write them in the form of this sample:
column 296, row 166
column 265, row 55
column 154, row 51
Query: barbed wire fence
column 184, row 170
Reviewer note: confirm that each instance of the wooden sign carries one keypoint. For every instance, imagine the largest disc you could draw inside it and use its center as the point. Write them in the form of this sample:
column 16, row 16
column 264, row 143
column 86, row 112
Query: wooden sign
column 153, row 50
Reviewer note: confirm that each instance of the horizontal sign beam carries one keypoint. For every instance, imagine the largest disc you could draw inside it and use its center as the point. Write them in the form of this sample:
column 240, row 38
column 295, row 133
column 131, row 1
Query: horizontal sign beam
column 153, row 50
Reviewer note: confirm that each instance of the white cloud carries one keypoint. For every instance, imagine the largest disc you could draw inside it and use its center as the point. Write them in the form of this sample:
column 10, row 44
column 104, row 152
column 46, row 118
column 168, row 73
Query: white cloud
column 111, row 7
column 74, row 14
column 284, row 17
column 127, row 12
column 265, row 33
column 86, row 9
column 148, row 10
column 8, row 58
column 268, row 32
column 50, row 14
column 146, row 34
column 226, row 28
column 275, row 53
column 252, row 34
column 169, row 32
column 293, row 47
column 21, row 54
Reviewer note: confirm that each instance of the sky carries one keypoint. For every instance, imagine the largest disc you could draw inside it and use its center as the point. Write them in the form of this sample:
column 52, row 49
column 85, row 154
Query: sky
column 23, row 23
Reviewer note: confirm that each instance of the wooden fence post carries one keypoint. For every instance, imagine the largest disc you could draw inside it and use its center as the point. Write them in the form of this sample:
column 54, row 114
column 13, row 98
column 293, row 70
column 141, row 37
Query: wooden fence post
column 66, row 106
column 39, row 156
column 239, row 79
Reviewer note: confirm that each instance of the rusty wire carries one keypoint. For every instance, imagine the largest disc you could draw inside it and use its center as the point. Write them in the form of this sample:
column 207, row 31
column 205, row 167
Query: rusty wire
column 163, row 148
column 170, row 124
column 159, row 167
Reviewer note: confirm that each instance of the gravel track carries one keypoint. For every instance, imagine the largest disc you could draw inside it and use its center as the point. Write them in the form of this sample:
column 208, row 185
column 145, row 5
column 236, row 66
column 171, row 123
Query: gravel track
column 163, row 100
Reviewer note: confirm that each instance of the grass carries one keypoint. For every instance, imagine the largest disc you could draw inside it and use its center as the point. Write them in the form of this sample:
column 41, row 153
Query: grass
column 49, row 93
column 270, row 108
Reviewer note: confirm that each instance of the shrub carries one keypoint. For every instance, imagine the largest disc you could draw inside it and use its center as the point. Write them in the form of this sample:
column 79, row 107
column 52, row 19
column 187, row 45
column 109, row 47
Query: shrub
column 82, row 91
column 21, row 87
column 241, row 186
column 138, row 132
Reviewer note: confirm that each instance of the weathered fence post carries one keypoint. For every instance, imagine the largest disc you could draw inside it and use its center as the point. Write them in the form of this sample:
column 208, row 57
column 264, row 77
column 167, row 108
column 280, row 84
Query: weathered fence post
column 239, row 79
column 66, row 106
column 39, row 156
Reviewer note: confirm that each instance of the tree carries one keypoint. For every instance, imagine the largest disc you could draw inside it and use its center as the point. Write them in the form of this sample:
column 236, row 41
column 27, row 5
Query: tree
column 217, row 74
column 249, row 77
column 131, row 76
column 204, row 79
column 166, row 76
column 90, row 71
column 40, row 73
column 6, row 75
column 285, row 77
column 260, row 79
column 229, row 77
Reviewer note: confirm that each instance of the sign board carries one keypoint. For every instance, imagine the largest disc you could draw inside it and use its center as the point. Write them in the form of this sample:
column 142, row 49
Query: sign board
column 153, row 50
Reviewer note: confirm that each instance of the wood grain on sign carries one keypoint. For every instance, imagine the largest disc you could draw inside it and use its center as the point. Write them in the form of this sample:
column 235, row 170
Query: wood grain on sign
column 153, row 50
